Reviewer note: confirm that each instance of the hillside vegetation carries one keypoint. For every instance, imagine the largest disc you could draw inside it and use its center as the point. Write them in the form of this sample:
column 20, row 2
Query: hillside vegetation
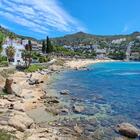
column 7, row 32
column 87, row 39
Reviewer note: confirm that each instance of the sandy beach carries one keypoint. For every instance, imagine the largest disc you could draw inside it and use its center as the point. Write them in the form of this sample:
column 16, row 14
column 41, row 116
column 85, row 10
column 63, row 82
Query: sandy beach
column 79, row 63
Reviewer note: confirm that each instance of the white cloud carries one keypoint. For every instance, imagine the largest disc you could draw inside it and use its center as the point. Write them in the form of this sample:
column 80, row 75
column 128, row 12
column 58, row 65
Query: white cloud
column 6, row 27
column 39, row 15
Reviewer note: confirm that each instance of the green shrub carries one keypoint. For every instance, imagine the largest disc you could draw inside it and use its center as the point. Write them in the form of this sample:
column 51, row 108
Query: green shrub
column 3, row 64
column 5, row 136
column 34, row 68
column 3, row 93
column 36, row 54
column 43, row 59
column 117, row 55
column 3, row 58
column 35, row 57
column 67, row 52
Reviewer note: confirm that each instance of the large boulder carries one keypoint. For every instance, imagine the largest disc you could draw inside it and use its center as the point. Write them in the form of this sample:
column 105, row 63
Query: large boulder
column 78, row 108
column 127, row 130
column 53, row 110
column 4, row 103
column 20, row 121
column 16, row 89
column 64, row 92
column 12, row 88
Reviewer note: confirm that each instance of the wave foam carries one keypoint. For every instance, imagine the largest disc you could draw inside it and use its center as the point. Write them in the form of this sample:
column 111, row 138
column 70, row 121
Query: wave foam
column 129, row 73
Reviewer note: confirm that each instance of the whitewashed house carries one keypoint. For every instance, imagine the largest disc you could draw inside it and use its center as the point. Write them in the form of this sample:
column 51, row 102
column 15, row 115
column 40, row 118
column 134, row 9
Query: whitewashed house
column 19, row 47
column 101, row 53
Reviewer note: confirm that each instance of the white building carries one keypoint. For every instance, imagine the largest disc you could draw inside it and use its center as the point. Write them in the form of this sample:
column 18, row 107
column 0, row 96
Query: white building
column 101, row 53
column 24, row 42
column 18, row 50
column 119, row 41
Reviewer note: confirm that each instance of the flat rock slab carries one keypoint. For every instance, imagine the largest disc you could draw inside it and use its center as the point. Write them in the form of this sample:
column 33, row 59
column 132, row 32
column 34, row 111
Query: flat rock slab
column 20, row 121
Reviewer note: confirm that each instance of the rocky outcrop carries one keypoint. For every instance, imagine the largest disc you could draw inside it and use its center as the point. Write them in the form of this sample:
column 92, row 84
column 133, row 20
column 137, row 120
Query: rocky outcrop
column 128, row 130
column 19, row 106
column 12, row 88
column 33, row 82
column 4, row 103
column 45, row 134
column 16, row 89
column 1, row 79
column 20, row 121
column 64, row 92
column 53, row 110
column 78, row 129
column 78, row 108
column 52, row 100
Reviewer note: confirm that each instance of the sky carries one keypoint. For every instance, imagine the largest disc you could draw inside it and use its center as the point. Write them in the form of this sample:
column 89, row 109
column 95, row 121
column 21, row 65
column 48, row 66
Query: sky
column 41, row 18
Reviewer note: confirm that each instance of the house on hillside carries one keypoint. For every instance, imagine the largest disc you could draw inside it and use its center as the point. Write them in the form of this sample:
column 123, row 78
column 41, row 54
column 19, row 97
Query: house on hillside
column 24, row 42
column 37, row 47
column 118, row 41
column 135, row 56
column 101, row 53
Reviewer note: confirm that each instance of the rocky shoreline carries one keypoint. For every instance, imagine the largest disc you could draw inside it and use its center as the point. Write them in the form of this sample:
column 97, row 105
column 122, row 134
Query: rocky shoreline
column 32, row 111
column 26, row 93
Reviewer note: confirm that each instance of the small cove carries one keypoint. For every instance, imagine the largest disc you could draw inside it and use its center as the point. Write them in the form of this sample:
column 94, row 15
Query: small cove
column 110, row 93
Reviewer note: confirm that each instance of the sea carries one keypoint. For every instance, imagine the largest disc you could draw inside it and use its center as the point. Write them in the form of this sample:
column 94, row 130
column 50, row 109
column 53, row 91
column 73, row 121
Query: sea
column 110, row 93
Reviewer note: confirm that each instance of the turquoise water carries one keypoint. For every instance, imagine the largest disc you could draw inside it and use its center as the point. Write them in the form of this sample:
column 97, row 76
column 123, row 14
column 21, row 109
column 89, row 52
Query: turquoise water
column 115, row 85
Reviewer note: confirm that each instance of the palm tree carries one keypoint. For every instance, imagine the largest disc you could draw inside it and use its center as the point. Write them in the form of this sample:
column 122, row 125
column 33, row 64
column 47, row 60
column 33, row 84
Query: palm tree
column 12, row 37
column 10, row 52
column 2, row 39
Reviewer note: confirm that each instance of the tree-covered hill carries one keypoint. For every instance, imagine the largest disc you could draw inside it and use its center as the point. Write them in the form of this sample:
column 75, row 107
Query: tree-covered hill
column 82, row 38
column 9, row 33
column 79, row 38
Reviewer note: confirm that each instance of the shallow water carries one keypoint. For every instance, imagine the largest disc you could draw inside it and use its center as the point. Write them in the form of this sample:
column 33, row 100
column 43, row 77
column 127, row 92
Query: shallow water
column 110, row 91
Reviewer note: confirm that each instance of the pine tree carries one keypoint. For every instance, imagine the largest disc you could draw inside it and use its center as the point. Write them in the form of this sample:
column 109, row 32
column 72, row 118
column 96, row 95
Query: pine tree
column 43, row 46
column 30, row 45
column 49, row 48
